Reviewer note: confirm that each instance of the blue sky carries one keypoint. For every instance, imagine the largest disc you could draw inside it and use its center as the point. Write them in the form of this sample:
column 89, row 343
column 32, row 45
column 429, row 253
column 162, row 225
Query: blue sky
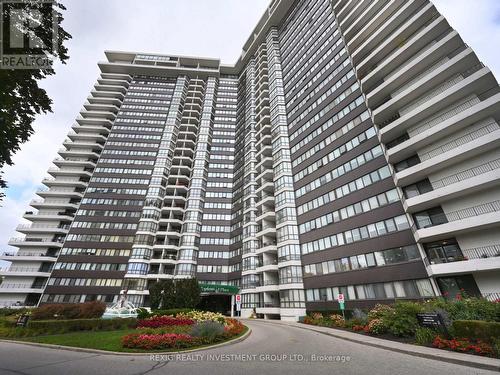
column 215, row 28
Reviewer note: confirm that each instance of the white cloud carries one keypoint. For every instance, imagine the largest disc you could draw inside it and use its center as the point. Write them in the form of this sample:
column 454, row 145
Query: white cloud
column 478, row 23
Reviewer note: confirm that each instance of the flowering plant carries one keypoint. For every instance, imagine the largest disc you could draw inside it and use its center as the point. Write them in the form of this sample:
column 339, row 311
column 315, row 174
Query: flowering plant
column 376, row 327
column 233, row 327
column 202, row 316
column 317, row 316
column 464, row 345
column 156, row 342
column 358, row 328
column 337, row 320
column 163, row 321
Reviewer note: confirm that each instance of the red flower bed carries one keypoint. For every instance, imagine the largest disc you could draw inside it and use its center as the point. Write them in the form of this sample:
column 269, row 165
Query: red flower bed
column 233, row 327
column 157, row 342
column 464, row 345
column 164, row 321
column 358, row 328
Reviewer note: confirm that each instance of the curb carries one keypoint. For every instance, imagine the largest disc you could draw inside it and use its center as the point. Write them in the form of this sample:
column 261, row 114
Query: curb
column 409, row 349
column 106, row 352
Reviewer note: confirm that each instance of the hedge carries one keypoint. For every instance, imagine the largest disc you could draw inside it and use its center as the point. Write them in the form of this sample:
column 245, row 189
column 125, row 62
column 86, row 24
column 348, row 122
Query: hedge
column 54, row 327
column 144, row 314
column 64, row 311
column 347, row 313
column 476, row 329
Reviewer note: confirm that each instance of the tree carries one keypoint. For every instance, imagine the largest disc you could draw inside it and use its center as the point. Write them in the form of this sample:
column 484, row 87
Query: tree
column 187, row 293
column 21, row 99
column 155, row 295
column 168, row 296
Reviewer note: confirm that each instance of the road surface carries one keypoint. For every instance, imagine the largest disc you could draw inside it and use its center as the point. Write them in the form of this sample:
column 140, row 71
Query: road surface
column 271, row 349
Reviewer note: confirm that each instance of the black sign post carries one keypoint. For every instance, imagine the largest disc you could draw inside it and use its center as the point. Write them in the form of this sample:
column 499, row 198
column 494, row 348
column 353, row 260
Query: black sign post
column 434, row 321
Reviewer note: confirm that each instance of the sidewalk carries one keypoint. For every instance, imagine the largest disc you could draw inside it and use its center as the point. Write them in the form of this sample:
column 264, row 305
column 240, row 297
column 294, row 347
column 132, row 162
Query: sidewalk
column 484, row 363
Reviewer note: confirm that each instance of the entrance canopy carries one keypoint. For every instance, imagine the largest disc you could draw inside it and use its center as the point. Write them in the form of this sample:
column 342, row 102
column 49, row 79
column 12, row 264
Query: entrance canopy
column 218, row 289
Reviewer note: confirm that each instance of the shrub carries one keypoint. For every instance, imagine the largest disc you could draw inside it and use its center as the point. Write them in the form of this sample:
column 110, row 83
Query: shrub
column 337, row 320
column 157, row 342
column 358, row 328
column 404, row 321
column 164, row 321
column 202, row 316
column 359, row 315
column 464, row 345
column 466, row 308
column 380, row 312
column 475, row 329
column 207, row 329
column 233, row 327
column 65, row 311
column 12, row 312
column 377, row 327
column 53, row 327
column 317, row 315
column 424, row 336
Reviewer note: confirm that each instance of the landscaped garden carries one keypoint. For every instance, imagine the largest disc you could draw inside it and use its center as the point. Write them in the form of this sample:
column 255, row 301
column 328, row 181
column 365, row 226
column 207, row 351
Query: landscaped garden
column 467, row 325
column 80, row 325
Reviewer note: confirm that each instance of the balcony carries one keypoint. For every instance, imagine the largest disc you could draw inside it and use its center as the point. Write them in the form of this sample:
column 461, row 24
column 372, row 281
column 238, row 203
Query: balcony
column 37, row 228
column 449, row 158
column 13, row 288
column 28, row 257
column 445, row 124
column 468, row 181
column 473, row 260
column 25, row 272
column 469, row 219
column 25, row 242
column 446, row 104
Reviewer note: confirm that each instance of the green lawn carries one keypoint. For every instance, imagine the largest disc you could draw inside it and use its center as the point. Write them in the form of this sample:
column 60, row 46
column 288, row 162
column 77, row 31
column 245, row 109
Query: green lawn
column 103, row 340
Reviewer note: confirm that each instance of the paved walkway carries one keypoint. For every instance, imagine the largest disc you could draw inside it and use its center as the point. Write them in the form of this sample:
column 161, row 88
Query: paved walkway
column 272, row 348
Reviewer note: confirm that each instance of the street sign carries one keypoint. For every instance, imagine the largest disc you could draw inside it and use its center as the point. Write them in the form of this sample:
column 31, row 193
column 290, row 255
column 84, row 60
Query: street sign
column 342, row 306
column 238, row 298
column 340, row 298
column 238, row 307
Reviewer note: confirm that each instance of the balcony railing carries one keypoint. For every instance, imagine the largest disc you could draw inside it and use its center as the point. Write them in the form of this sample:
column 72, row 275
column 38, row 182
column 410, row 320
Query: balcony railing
column 473, row 211
column 491, row 127
column 482, row 252
column 21, row 286
column 27, row 269
column 467, row 174
column 493, row 297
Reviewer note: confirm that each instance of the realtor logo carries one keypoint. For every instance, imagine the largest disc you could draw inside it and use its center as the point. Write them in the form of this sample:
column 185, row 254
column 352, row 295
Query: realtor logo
column 28, row 34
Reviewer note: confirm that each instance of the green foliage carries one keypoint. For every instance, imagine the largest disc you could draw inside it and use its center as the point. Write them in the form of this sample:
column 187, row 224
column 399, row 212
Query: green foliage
column 53, row 327
column 424, row 336
column 377, row 326
column 404, row 321
column 208, row 329
column 381, row 312
column 466, row 308
column 88, row 310
column 168, row 300
column 178, row 294
column 187, row 293
column 475, row 329
column 347, row 313
column 12, row 312
column 155, row 294
column 21, row 99
column 143, row 314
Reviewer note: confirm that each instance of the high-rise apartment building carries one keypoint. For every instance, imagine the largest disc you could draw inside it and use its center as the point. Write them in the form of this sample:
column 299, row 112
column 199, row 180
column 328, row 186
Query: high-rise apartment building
column 353, row 148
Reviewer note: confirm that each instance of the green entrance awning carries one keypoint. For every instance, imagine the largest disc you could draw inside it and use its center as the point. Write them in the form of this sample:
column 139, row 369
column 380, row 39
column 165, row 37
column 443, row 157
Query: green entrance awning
column 219, row 288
